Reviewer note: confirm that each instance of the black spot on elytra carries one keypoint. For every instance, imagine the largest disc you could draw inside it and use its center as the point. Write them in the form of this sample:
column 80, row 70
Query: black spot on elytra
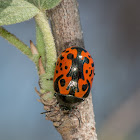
column 67, row 51
column 70, row 56
column 56, row 87
column 56, row 71
column 67, row 88
column 90, row 75
column 60, row 64
column 77, row 89
column 86, row 71
column 60, row 68
column 84, row 50
column 91, row 71
column 86, row 60
column 88, row 90
column 92, row 64
column 61, row 57
column 62, row 82
column 89, row 56
column 66, row 67
column 84, row 87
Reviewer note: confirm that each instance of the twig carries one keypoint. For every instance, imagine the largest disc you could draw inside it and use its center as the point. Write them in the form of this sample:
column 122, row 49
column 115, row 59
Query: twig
column 16, row 42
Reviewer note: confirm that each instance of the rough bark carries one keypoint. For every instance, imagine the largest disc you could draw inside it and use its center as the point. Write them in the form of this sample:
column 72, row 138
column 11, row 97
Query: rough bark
column 66, row 26
column 67, row 32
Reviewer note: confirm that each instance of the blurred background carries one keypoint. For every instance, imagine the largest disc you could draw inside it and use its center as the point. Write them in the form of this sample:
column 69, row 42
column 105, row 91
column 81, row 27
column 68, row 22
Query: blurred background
column 112, row 35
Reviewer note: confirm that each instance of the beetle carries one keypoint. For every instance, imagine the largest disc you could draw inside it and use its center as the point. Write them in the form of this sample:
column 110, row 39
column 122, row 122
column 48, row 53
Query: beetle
column 73, row 77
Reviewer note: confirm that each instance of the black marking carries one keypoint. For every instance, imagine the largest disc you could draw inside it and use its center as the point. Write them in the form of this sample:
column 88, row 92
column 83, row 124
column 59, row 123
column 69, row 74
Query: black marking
column 86, row 60
column 61, row 57
column 60, row 64
column 90, row 75
column 80, row 75
column 77, row 89
column 56, row 71
column 89, row 56
column 56, row 87
column 60, row 68
column 88, row 91
column 84, row 87
column 62, row 82
column 86, row 71
column 67, row 51
column 91, row 71
column 66, row 67
column 79, row 49
column 67, row 88
column 57, row 63
column 92, row 64
column 70, row 56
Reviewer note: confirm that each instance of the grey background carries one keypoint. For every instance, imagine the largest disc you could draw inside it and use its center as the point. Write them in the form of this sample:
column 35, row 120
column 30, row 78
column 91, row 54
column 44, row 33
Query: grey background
column 112, row 36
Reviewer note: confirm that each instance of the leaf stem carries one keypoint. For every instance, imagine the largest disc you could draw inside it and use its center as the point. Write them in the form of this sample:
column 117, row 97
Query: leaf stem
column 16, row 42
column 44, row 26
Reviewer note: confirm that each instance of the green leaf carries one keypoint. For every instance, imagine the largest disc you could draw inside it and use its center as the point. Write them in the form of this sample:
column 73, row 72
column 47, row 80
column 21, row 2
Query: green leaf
column 45, row 4
column 15, row 11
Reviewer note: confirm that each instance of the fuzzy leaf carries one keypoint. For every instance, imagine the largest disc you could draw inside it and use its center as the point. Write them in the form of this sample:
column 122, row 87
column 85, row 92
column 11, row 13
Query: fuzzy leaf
column 15, row 11
column 45, row 4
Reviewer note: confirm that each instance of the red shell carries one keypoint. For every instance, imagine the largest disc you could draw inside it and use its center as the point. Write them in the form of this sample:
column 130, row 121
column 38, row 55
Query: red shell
column 74, row 72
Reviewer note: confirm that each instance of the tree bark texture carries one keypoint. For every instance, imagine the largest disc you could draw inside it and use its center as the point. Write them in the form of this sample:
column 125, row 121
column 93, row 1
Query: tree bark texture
column 67, row 32
column 66, row 26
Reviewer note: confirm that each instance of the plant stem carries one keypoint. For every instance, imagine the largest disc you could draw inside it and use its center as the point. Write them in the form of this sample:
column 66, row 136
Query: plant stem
column 44, row 26
column 16, row 42
column 40, row 45
column 50, row 53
